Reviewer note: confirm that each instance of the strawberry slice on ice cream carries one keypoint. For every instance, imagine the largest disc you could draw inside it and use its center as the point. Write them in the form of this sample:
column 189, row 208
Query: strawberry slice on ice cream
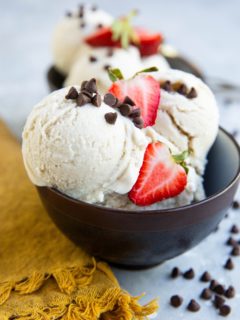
column 144, row 90
column 161, row 176
column 148, row 42
column 122, row 34
column 103, row 37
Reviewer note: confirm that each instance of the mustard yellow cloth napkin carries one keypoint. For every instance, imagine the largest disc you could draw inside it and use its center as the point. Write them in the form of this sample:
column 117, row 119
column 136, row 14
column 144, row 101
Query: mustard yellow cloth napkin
column 43, row 276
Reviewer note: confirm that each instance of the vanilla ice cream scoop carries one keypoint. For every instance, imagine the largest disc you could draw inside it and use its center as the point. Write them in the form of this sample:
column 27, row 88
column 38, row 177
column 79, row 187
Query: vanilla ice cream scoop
column 76, row 150
column 69, row 34
column 188, row 115
column 94, row 62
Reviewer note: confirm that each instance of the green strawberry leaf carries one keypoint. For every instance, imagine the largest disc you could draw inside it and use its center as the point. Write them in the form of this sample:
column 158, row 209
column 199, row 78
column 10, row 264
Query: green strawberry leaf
column 150, row 69
column 123, row 30
column 115, row 74
column 180, row 159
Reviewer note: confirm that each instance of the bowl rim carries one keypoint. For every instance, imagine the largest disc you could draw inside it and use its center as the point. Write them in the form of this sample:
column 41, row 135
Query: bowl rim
column 118, row 211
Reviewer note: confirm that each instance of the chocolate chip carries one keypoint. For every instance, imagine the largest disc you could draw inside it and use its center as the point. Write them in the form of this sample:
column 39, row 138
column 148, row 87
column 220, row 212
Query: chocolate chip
column 82, row 25
column 110, row 99
column 81, row 11
column 176, row 301
column 72, row 94
column 110, row 52
column 83, row 85
column 192, row 93
column 235, row 251
column 92, row 59
column 218, row 302
column 213, row 284
column 125, row 109
column 189, row 274
column 100, row 25
column 206, row 294
column 82, row 99
column 86, row 93
column 136, row 112
column 193, row 306
column 97, row 100
column 230, row 292
column 106, row 66
column 229, row 264
column 175, row 272
column 91, row 86
column 225, row 310
column 231, row 242
column 111, row 117
column 234, row 229
column 129, row 101
column 182, row 89
column 219, row 289
column 235, row 205
column 138, row 121
column 167, row 86
column 206, row 277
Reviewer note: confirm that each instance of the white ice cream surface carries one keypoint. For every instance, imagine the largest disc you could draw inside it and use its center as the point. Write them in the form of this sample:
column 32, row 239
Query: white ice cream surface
column 69, row 35
column 75, row 150
column 190, row 124
column 156, row 60
column 127, row 60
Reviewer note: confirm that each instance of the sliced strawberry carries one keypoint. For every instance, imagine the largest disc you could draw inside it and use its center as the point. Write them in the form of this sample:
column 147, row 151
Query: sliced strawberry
column 160, row 177
column 144, row 91
column 102, row 38
column 148, row 42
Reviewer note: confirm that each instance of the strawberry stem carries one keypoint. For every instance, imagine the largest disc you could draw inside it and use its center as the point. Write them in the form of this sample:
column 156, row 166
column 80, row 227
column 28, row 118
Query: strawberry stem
column 123, row 30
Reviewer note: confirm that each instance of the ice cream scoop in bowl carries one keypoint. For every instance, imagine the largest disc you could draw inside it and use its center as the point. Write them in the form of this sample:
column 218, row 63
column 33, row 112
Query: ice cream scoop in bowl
column 145, row 238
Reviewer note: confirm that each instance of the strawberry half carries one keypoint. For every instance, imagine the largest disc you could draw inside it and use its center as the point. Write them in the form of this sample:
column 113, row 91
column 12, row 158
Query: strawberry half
column 102, row 38
column 160, row 177
column 148, row 42
column 144, row 91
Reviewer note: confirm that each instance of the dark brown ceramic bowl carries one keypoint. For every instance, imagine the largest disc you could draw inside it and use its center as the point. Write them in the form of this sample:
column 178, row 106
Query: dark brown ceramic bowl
column 142, row 239
column 56, row 79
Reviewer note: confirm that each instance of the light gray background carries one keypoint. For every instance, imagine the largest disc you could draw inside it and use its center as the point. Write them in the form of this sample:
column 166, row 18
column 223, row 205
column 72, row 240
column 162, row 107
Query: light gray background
column 207, row 31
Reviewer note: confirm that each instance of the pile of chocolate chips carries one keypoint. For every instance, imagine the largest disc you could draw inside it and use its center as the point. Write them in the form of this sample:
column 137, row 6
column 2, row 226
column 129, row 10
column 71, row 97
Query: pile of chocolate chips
column 127, row 108
column 180, row 88
column 88, row 94
column 215, row 291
